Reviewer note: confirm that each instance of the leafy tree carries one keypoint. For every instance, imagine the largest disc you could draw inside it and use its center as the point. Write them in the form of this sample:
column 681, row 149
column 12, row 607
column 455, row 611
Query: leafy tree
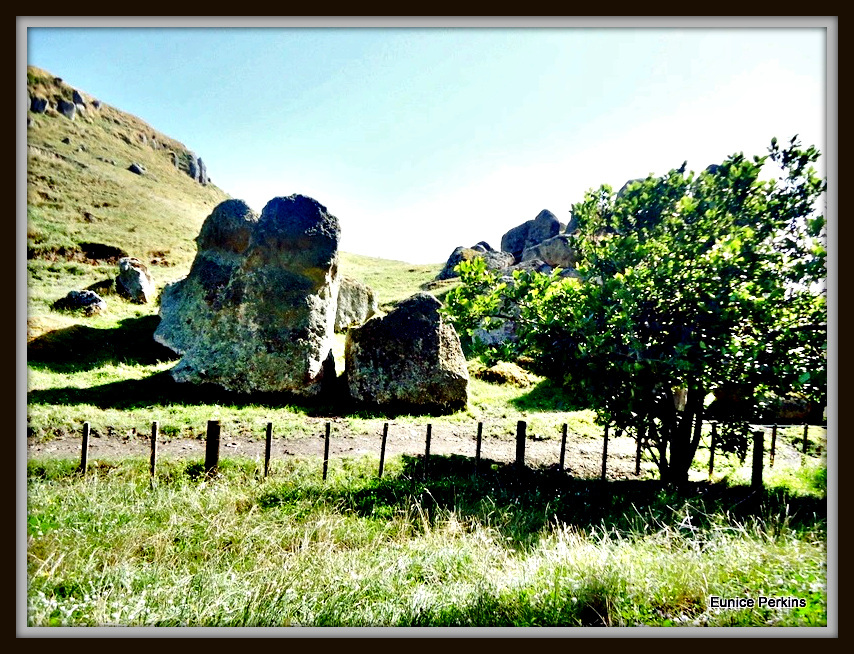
column 688, row 283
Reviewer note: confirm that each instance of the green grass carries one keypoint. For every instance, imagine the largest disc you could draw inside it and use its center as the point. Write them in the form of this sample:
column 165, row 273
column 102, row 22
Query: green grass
column 391, row 280
column 451, row 550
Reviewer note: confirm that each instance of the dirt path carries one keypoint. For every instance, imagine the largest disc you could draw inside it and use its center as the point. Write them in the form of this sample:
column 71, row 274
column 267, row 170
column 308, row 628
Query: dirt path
column 583, row 455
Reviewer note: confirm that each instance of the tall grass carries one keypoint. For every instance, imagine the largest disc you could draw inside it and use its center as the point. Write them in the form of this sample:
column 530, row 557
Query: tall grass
column 501, row 549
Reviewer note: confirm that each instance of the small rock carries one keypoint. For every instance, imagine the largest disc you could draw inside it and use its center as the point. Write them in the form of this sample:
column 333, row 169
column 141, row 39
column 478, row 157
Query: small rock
column 137, row 168
column 89, row 302
column 134, row 281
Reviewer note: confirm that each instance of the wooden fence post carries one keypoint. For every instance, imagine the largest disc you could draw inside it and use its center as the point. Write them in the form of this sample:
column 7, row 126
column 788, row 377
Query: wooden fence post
column 521, row 428
column 382, row 449
column 477, row 449
column 758, row 453
column 605, row 454
column 268, row 448
column 84, row 449
column 212, row 447
column 427, row 449
column 712, row 449
column 326, row 451
column 773, row 444
column 562, row 447
column 806, row 434
column 155, row 426
column 641, row 432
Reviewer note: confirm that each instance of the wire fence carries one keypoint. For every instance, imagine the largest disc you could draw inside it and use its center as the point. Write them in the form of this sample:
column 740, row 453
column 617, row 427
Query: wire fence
column 214, row 431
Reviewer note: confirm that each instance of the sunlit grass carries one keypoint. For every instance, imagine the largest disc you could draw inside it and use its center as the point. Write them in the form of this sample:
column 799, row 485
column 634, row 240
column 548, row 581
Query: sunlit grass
column 237, row 550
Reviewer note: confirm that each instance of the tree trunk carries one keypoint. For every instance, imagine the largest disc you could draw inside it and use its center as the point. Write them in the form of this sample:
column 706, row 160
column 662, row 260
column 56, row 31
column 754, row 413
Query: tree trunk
column 685, row 437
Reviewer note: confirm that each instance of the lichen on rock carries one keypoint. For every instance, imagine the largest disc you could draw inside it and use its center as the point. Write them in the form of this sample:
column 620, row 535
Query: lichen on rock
column 257, row 310
column 410, row 357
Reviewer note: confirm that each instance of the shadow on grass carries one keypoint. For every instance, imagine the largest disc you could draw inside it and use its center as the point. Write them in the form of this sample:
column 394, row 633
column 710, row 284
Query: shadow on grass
column 548, row 396
column 519, row 504
column 160, row 389
column 80, row 348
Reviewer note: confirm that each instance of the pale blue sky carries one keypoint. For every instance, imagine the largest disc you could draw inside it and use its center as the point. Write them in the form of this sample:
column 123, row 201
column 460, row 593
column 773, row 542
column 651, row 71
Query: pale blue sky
column 423, row 139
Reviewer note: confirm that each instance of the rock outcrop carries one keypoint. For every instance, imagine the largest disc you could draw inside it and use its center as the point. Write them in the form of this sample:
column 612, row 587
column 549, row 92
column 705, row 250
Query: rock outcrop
column 530, row 233
column 197, row 170
column 410, row 357
column 89, row 302
column 134, row 282
column 556, row 252
column 356, row 304
column 494, row 260
column 257, row 310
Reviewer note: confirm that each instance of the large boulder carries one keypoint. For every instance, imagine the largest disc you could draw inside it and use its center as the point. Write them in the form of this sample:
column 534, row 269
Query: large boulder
column 555, row 251
column 514, row 240
column 257, row 310
column 38, row 105
column 356, row 304
column 494, row 260
column 88, row 302
column 543, row 227
column 530, row 233
column 66, row 108
column 134, row 282
column 411, row 357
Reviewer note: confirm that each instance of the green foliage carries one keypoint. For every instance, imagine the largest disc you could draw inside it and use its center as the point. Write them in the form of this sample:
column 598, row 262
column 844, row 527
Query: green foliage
column 694, row 282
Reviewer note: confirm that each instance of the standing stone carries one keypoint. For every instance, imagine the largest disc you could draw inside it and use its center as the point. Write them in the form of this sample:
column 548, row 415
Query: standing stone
column 203, row 173
column 411, row 357
column 193, row 168
column 356, row 304
column 134, row 282
column 257, row 310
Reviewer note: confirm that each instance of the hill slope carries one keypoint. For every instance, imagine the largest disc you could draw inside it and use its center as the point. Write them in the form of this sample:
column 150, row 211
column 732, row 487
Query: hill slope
column 85, row 207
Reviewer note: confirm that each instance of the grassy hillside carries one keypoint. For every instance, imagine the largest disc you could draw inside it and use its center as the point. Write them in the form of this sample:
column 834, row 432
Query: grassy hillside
column 84, row 206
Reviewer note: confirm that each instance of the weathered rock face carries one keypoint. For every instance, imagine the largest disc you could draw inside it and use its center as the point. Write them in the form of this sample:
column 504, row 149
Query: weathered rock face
column 89, row 302
column 544, row 226
column 197, row 169
column 555, row 251
column 356, row 304
column 494, row 260
column 410, row 357
column 134, row 282
column 257, row 310
column 530, row 233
